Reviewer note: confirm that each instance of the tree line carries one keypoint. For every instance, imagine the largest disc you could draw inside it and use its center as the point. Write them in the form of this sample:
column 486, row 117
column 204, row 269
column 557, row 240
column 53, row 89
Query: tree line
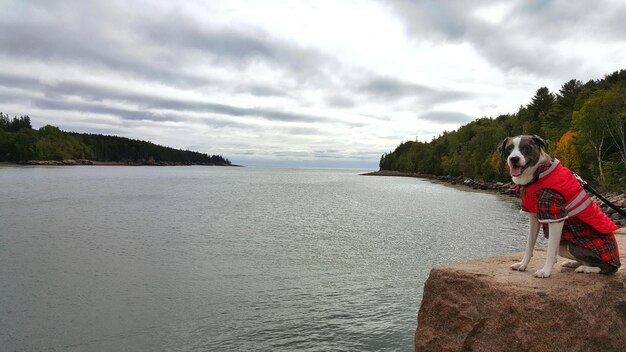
column 19, row 142
column 584, row 124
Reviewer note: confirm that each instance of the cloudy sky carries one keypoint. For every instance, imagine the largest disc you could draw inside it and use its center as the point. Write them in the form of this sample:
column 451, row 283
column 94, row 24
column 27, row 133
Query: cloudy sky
column 294, row 83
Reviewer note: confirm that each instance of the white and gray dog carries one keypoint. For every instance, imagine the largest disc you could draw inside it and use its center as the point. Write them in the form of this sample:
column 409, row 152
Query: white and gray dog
column 554, row 199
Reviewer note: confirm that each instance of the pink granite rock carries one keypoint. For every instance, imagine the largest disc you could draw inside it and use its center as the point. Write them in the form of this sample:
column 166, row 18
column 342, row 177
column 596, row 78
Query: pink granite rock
column 482, row 305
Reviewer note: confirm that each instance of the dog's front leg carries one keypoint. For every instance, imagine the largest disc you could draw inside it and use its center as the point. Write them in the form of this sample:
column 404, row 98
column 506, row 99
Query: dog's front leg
column 553, row 247
column 530, row 244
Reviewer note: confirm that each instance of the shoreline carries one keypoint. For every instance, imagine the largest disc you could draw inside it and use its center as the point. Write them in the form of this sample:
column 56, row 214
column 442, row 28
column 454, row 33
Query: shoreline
column 87, row 162
column 506, row 190
column 457, row 182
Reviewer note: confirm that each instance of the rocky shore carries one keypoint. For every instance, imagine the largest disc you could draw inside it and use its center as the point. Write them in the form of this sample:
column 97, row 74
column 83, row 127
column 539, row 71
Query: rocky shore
column 508, row 189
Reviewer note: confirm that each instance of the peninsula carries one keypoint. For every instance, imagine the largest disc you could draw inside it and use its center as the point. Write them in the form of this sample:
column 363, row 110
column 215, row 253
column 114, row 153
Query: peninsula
column 48, row 145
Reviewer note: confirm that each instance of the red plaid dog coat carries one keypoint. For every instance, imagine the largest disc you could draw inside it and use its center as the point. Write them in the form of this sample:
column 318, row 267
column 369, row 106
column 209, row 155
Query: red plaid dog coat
column 557, row 196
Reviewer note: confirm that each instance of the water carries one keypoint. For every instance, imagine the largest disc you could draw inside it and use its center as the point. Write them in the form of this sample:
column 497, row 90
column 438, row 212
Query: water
column 229, row 259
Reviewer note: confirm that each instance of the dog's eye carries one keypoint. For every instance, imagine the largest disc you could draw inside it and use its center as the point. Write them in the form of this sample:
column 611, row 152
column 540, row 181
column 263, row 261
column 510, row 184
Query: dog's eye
column 525, row 149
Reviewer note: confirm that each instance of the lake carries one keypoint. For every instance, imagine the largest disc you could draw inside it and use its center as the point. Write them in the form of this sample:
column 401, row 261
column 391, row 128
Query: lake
column 99, row 258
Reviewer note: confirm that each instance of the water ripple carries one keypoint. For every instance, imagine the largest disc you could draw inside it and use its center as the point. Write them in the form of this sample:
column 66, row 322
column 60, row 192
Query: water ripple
column 229, row 259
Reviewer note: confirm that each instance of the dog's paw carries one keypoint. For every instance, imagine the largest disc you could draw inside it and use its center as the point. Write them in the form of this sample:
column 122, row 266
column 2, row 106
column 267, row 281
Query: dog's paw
column 521, row 266
column 571, row 264
column 587, row 269
column 542, row 273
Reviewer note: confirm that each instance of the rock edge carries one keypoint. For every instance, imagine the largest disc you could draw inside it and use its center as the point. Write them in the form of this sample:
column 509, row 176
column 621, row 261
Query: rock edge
column 482, row 305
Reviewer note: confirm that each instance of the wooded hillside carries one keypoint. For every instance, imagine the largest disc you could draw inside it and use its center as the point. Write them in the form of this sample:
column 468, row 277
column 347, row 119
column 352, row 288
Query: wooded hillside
column 584, row 124
column 19, row 142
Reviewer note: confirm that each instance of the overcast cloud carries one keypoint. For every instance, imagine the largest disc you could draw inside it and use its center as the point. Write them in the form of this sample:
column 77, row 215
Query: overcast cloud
column 319, row 83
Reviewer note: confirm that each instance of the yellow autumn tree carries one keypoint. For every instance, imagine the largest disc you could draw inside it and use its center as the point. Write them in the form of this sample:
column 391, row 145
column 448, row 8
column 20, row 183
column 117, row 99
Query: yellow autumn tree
column 565, row 151
column 497, row 163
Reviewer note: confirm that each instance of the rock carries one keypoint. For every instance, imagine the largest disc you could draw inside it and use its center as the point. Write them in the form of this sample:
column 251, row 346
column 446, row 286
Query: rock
column 482, row 305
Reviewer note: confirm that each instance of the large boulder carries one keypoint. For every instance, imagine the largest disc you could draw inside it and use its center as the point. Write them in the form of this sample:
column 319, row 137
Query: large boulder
column 482, row 305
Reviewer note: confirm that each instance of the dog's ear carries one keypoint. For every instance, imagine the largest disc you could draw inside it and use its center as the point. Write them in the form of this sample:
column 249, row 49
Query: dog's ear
column 540, row 142
column 502, row 146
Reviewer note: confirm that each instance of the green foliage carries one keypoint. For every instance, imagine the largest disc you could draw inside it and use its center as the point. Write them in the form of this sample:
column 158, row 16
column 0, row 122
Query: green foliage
column 602, row 125
column 584, row 124
column 19, row 142
column 53, row 144
column 113, row 148
column 614, row 174
column 14, row 125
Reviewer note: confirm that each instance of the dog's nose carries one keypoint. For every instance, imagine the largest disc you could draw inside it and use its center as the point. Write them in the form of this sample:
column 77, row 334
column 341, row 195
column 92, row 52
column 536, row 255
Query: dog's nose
column 514, row 159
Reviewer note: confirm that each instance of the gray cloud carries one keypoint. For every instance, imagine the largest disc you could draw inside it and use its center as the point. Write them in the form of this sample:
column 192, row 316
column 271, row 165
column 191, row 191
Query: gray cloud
column 449, row 117
column 556, row 19
column 264, row 91
column 147, row 104
column 70, row 37
column 229, row 46
column 526, row 38
column 150, row 62
column 171, row 43
column 125, row 114
column 390, row 88
column 438, row 20
column 13, row 97
column 16, row 81
column 62, row 37
column 340, row 101
column 54, row 93
column 303, row 131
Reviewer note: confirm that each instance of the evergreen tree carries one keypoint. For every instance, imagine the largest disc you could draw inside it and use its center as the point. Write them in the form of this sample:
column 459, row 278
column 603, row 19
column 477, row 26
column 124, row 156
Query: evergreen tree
column 559, row 119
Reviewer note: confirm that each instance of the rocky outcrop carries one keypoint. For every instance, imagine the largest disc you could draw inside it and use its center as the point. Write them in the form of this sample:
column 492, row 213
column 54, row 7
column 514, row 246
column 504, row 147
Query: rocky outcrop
column 618, row 200
column 482, row 305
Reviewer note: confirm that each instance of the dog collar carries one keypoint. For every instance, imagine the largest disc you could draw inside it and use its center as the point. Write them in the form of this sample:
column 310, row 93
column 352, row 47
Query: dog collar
column 553, row 166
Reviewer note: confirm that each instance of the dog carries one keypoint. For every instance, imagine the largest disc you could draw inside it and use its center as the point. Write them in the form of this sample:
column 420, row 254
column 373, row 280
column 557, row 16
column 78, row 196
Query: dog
column 554, row 200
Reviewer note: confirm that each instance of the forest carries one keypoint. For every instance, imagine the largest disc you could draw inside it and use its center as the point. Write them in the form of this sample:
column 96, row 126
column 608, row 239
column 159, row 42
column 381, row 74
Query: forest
column 19, row 142
column 584, row 124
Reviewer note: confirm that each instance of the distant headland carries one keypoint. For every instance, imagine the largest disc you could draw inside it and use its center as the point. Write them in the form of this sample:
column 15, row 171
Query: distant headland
column 21, row 144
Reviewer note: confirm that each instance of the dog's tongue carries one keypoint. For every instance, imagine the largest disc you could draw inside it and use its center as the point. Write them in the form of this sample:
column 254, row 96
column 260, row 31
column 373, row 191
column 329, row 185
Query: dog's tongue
column 516, row 171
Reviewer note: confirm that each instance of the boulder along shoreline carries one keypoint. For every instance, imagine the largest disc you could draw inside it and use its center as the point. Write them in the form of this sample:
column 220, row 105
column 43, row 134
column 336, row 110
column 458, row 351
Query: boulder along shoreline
column 506, row 189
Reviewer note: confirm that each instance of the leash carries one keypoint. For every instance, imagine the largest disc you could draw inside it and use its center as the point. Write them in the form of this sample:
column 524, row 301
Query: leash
column 604, row 200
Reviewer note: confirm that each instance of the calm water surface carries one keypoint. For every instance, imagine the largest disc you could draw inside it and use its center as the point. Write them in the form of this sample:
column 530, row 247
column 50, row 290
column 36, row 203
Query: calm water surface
column 229, row 259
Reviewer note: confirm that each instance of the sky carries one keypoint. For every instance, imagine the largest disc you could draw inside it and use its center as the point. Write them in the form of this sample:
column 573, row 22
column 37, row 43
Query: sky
column 325, row 83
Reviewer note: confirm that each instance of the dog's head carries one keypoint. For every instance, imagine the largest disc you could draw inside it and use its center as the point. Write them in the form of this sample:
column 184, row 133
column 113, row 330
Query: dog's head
column 524, row 154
